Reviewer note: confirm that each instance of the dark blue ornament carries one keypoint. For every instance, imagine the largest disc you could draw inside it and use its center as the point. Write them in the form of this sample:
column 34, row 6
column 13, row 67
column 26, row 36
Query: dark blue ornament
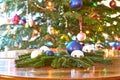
column 74, row 45
column 23, row 20
column 76, row 3
column 49, row 53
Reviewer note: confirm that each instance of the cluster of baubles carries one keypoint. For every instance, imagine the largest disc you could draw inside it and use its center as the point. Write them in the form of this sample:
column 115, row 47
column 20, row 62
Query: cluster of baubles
column 74, row 49
column 41, row 50
column 77, row 4
column 15, row 19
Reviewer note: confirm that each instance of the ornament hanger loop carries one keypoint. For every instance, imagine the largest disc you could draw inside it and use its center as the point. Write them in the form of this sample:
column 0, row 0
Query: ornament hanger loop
column 80, row 23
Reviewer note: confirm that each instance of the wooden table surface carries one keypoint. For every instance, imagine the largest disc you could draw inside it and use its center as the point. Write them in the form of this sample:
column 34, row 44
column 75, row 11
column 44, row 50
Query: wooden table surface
column 8, row 71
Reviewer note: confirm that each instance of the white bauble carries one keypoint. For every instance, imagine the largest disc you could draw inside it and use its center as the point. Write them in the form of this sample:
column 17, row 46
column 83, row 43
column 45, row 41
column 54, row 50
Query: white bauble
column 88, row 48
column 35, row 53
column 77, row 53
column 98, row 46
column 44, row 48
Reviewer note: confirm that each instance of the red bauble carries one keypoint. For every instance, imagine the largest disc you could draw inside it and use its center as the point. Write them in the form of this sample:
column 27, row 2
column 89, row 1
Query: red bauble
column 81, row 36
column 16, row 19
column 112, row 4
column 118, row 48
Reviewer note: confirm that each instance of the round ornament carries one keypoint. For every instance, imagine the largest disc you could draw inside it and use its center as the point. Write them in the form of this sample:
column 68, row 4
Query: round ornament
column 88, row 48
column 81, row 36
column 49, row 53
column 76, row 4
column 118, row 48
column 77, row 53
column 50, row 5
column 44, row 48
column 16, row 19
column 35, row 53
column 23, row 21
column 64, row 37
column 74, row 45
column 112, row 4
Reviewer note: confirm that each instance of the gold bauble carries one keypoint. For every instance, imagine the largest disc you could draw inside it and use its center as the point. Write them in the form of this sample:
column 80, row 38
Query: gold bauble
column 64, row 37
column 50, row 5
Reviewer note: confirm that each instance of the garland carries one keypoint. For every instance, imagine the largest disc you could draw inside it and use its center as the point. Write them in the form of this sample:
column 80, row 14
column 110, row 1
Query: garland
column 63, row 60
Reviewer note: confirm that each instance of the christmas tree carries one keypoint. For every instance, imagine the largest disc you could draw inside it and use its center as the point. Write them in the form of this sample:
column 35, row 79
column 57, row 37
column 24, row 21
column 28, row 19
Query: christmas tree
column 55, row 23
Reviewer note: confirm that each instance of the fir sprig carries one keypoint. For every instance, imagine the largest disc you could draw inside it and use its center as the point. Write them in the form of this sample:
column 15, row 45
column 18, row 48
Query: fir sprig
column 63, row 60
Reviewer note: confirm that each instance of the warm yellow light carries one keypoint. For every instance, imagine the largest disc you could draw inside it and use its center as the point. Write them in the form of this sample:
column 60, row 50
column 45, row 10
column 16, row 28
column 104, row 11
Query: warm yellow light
column 50, row 5
column 99, row 29
column 87, row 32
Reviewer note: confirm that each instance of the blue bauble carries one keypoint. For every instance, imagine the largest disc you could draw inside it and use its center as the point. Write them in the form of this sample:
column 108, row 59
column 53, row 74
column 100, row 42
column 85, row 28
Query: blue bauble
column 76, row 3
column 49, row 53
column 74, row 45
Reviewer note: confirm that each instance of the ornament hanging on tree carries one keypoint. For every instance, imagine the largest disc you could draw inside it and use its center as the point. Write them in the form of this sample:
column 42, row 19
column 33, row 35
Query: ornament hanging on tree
column 112, row 4
column 50, row 5
column 3, row 7
column 118, row 48
column 23, row 21
column 75, row 4
column 16, row 19
column 81, row 36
